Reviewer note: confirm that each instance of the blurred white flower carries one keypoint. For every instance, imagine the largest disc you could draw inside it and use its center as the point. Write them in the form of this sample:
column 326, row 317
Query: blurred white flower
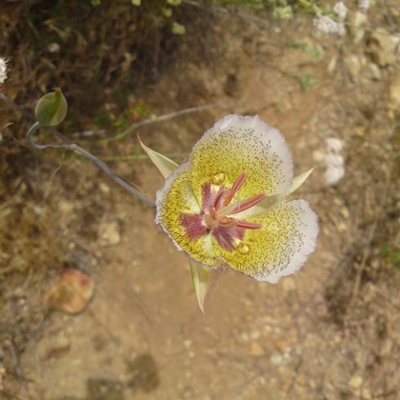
column 53, row 47
column 325, row 24
column 334, row 162
column 3, row 70
column 341, row 10
column 333, row 174
column 363, row 5
column 334, row 145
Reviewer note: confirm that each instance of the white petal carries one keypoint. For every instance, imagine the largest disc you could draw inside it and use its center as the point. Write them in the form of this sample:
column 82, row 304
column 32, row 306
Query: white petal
column 236, row 144
column 307, row 226
column 280, row 247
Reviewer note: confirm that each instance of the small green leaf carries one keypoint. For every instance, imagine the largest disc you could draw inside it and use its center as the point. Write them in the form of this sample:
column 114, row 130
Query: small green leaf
column 178, row 29
column 52, row 108
column 200, row 275
column 307, row 81
column 174, row 2
column 163, row 164
column 167, row 12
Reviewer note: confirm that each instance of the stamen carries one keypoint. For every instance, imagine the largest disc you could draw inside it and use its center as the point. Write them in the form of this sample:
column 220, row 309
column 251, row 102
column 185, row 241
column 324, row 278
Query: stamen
column 236, row 186
column 226, row 210
column 246, row 204
column 218, row 199
column 218, row 214
column 228, row 222
column 248, row 225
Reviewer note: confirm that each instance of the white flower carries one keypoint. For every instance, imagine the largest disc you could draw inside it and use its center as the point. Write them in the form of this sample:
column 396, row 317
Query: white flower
column 53, row 47
column 341, row 10
column 325, row 24
column 334, row 162
column 333, row 174
column 227, row 205
column 333, row 144
column 363, row 5
column 3, row 70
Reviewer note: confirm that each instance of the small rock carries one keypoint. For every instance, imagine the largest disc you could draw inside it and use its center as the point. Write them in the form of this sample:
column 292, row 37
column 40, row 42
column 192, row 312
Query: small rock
column 356, row 382
column 276, row 358
column 71, row 293
column 104, row 188
column 65, row 206
column 109, row 233
column 256, row 349
column 381, row 47
column 372, row 72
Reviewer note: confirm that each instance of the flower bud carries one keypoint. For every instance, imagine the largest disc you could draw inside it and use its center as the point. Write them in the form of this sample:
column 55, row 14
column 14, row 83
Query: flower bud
column 52, row 108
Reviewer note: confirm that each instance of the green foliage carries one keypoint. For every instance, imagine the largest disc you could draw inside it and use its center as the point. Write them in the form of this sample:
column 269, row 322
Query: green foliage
column 307, row 81
column 135, row 112
column 315, row 52
column 178, row 29
column 391, row 255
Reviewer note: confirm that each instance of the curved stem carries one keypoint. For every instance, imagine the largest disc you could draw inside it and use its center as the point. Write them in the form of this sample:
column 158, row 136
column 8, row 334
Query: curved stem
column 79, row 150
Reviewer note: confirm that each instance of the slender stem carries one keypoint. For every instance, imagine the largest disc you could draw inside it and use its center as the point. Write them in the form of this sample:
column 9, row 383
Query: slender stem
column 14, row 106
column 148, row 121
column 78, row 150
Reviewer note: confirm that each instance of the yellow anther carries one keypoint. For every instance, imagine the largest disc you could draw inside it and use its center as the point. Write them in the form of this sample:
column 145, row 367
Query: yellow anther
column 243, row 248
column 218, row 178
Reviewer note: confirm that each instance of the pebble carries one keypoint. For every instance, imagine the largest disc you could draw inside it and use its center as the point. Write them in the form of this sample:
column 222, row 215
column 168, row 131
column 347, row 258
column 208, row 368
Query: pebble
column 381, row 47
column 256, row 349
column 276, row 358
column 109, row 233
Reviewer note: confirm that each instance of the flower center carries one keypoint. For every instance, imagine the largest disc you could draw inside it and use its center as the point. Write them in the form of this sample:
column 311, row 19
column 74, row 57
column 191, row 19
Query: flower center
column 219, row 212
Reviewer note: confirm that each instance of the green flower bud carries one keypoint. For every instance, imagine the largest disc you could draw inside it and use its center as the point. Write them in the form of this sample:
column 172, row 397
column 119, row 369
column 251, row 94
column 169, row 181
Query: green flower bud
column 52, row 108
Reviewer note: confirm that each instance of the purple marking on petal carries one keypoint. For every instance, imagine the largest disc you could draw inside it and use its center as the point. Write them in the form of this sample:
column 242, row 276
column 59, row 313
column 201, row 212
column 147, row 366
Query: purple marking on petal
column 193, row 224
column 226, row 236
column 207, row 199
column 212, row 198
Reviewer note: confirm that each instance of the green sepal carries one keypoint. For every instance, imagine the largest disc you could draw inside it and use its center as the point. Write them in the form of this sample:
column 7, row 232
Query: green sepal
column 200, row 275
column 163, row 164
column 52, row 108
column 272, row 201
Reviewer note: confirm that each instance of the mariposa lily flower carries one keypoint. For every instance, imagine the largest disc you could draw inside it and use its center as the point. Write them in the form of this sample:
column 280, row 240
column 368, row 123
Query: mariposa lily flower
column 226, row 206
